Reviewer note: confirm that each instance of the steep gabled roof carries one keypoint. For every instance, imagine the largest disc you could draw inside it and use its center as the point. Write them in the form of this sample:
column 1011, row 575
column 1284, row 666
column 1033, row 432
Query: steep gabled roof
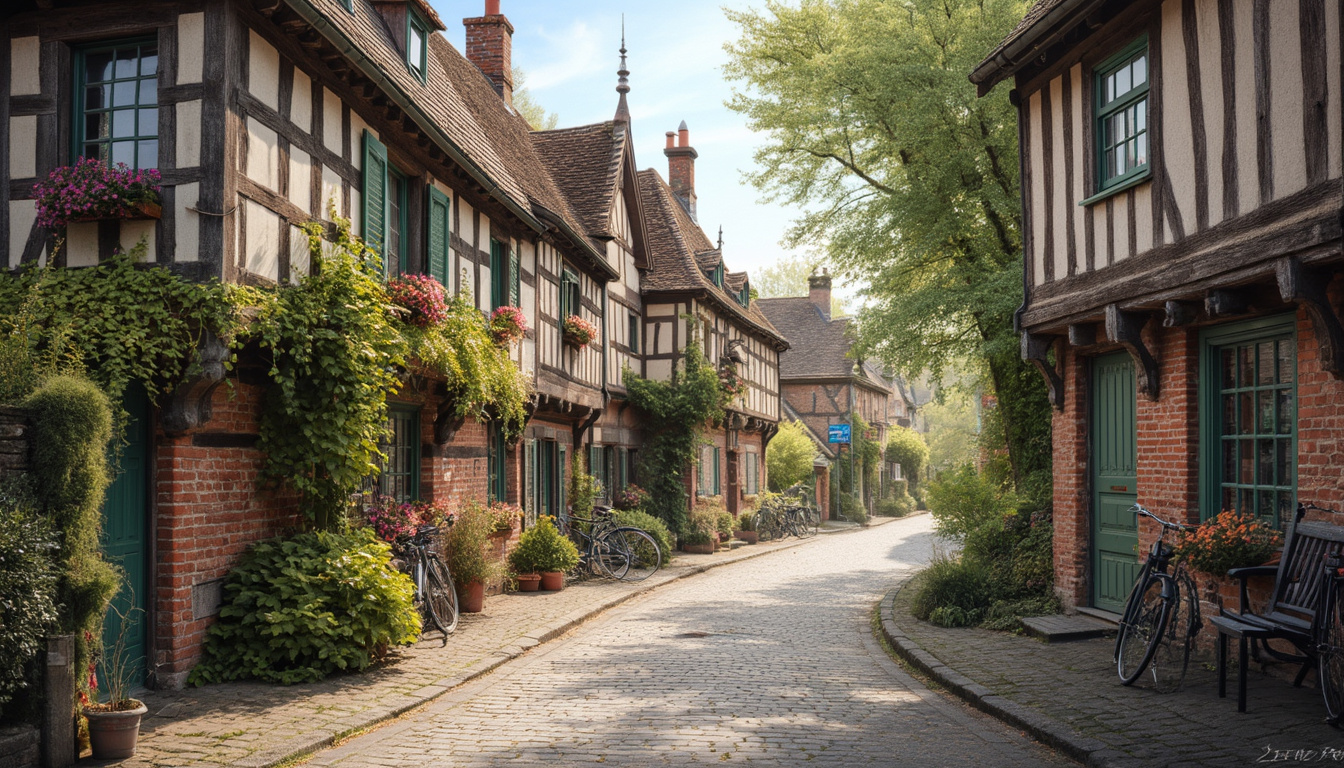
column 678, row 245
column 1032, row 32
column 822, row 345
column 586, row 163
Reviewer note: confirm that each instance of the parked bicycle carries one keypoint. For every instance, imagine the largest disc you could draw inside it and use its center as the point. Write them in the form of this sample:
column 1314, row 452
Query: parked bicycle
column 435, row 597
column 622, row 553
column 1161, row 617
column 1329, row 630
column 788, row 514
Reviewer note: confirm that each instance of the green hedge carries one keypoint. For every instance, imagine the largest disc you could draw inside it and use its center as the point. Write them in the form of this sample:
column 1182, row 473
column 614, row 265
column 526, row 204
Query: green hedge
column 27, row 596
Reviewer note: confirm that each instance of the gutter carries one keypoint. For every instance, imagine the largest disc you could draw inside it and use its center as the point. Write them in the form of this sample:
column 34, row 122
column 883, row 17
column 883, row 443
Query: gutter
column 1011, row 57
column 598, row 258
column 374, row 72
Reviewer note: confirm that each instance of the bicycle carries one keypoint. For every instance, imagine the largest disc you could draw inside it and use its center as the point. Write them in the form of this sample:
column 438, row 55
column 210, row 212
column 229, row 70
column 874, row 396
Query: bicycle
column 1161, row 617
column 622, row 553
column 1329, row 630
column 435, row 597
column 803, row 513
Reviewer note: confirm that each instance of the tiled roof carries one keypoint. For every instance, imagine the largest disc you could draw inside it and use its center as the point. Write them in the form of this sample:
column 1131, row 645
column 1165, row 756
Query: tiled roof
column 989, row 72
column 585, row 163
column 820, row 345
column 676, row 244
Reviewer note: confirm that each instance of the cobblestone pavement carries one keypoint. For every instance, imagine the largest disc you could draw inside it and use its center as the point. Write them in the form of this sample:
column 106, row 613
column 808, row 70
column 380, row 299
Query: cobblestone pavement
column 1074, row 686
column 253, row 724
column 770, row 661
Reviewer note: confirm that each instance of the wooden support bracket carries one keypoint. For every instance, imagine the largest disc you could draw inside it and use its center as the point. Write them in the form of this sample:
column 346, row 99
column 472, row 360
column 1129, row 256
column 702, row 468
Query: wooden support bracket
column 447, row 422
column 1035, row 350
column 1126, row 329
column 1226, row 302
column 1082, row 335
column 1180, row 313
column 189, row 404
column 1307, row 289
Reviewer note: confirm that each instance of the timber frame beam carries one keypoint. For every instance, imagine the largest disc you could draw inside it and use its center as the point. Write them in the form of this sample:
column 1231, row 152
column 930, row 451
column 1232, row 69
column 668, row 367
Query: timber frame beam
column 1306, row 288
column 1036, row 350
column 1126, row 329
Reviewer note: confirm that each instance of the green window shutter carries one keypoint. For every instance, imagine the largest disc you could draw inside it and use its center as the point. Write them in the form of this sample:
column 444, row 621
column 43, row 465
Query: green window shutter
column 716, row 470
column 561, row 486
column 515, row 278
column 439, row 235
column 496, row 274
column 375, row 194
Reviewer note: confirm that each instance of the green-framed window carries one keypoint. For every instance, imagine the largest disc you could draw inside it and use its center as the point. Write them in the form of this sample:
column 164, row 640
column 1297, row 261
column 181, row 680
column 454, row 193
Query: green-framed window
column 569, row 294
column 717, row 275
column 116, row 111
column 400, row 476
column 634, row 333
column 374, row 198
column 397, row 224
column 417, row 44
column 1122, row 116
column 709, row 472
column 497, row 463
column 439, row 231
column 505, row 275
column 1248, row 378
column 751, row 474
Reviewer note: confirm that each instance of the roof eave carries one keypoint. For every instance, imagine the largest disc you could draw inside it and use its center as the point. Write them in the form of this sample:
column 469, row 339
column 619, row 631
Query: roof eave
column 1006, row 60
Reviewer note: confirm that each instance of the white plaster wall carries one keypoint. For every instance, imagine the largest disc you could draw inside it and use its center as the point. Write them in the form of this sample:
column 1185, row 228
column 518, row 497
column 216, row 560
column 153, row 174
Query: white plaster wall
column 133, row 232
column 1062, row 207
column 189, row 134
column 1143, row 206
column 301, row 105
column 81, row 244
column 1036, row 193
column 1121, row 227
column 356, row 212
column 331, row 192
column 263, row 70
column 190, row 47
column 659, row 370
column 1079, row 179
column 1178, row 141
column 188, row 230
column 1248, row 185
column 300, row 261
column 22, row 214
column 483, row 288
column 1288, row 134
column 25, row 57
column 357, row 129
column 1211, row 97
column 484, row 241
column 263, row 155
column 22, row 147
column 660, row 310
column 331, row 123
column 467, row 221
column 300, row 175
column 261, row 251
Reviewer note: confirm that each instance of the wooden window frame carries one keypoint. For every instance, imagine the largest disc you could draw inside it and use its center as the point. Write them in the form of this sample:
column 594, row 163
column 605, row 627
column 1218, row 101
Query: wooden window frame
column 497, row 462
column 632, row 341
column 78, row 136
column 570, row 305
column 416, row 24
column 1103, row 110
column 411, row 413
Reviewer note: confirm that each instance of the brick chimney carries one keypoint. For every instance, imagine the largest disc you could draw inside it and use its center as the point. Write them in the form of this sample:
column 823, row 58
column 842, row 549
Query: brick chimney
column 490, row 48
column 681, row 167
column 819, row 291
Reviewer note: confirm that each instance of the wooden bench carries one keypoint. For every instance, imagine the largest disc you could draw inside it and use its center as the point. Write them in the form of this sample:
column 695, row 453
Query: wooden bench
column 1291, row 613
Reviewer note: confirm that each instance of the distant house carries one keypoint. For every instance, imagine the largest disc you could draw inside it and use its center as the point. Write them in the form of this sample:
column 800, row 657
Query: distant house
column 1181, row 190
column 822, row 382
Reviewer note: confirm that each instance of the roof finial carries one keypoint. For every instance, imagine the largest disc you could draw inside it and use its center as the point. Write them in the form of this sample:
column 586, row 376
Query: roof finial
column 623, row 85
column 720, row 237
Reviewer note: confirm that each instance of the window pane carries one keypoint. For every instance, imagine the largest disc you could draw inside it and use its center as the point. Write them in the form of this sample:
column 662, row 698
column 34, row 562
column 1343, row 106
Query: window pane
column 123, row 123
column 1265, row 462
column 1229, row 499
column 1247, row 474
column 1246, row 501
column 1285, row 408
column 1245, row 416
column 1141, row 69
column 1264, row 412
column 1284, row 465
column 95, row 126
column 148, row 122
column 1265, row 355
column 1141, row 149
column 126, row 64
column 149, row 154
column 98, row 66
column 417, row 48
column 1229, row 458
column 1228, row 360
column 1266, row 506
column 1245, row 367
column 1123, row 83
column 123, row 152
column 149, row 62
column 149, row 92
column 1229, row 414
column 97, row 96
column 1286, row 362
column 123, row 94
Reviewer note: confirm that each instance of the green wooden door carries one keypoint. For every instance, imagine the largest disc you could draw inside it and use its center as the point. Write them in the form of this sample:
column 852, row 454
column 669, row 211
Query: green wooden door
column 1115, row 535
column 125, row 536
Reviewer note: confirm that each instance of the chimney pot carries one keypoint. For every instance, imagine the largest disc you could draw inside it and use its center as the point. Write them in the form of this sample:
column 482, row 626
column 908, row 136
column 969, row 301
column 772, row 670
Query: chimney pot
column 681, row 168
column 671, row 139
column 683, row 135
column 491, row 7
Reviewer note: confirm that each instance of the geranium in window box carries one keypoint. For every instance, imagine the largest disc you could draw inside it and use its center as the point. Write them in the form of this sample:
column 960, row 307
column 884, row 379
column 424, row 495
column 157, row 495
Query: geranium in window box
column 91, row 191
column 730, row 383
column 507, row 325
column 420, row 297
column 579, row 332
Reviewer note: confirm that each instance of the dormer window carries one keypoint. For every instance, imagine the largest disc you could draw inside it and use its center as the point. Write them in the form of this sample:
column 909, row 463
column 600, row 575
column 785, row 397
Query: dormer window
column 417, row 45
column 717, row 276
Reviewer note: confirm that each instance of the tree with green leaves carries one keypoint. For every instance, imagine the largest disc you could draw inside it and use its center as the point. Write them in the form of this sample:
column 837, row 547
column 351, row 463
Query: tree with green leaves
column 789, row 457
column 527, row 106
column 788, row 277
column 908, row 181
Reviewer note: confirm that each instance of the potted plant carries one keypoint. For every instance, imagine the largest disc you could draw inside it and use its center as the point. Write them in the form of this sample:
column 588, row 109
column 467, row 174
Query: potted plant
column 92, row 191
column 420, row 299
column 1230, row 540
column 697, row 542
column 746, row 527
column 507, row 325
column 469, row 562
column 630, row 497
column 724, row 523
column 542, row 549
column 114, row 725
column 730, row 383
column 504, row 518
column 579, row 332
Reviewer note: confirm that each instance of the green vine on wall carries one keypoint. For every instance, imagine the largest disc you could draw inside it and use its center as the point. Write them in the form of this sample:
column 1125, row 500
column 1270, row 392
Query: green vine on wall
column 675, row 414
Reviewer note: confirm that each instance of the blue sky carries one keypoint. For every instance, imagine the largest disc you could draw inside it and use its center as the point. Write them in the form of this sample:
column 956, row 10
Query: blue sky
column 570, row 53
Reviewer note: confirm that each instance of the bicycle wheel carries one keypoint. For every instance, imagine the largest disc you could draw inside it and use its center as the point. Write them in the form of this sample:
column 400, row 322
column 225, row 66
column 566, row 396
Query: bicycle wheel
column 1330, row 664
column 640, row 551
column 440, row 598
column 612, row 560
column 1172, row 655
column 1140, row 635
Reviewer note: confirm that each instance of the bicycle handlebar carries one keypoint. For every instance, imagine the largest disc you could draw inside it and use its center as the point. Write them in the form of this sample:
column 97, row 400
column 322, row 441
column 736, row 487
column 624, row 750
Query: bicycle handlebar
column 1173, row 526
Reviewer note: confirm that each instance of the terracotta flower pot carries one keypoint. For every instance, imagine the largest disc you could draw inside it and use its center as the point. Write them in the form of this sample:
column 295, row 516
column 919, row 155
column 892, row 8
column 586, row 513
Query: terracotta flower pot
column 552, row 581
column 751, row 537
column 113, row 735
column 529, row 582
column 698, row 549
column 471, row 597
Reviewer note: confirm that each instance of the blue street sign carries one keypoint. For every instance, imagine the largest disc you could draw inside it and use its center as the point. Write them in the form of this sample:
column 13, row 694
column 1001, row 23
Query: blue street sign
column 838, row 433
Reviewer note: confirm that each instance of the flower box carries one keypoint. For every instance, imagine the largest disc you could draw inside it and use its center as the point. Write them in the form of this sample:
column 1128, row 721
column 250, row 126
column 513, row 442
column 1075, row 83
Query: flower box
column 138, row 210
column 90, row 190
column 578, row 332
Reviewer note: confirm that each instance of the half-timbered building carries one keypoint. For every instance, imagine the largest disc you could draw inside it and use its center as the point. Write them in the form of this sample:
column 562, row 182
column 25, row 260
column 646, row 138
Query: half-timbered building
column 1182, row 199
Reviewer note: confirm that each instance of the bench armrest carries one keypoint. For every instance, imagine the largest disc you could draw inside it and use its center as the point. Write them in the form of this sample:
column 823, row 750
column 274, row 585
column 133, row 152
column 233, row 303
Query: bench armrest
column 1244, row 574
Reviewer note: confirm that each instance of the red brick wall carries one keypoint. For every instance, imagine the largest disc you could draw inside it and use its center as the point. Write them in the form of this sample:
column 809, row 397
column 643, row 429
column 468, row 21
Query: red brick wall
column 1072, row 507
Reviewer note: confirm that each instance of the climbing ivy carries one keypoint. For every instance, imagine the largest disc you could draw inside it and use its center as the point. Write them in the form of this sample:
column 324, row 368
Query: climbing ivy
column 675, row 415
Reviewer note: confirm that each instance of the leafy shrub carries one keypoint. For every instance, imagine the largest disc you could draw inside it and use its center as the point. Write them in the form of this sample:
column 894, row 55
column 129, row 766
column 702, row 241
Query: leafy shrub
column 1230, row 540
column 704, row 517
column 789, row 457
column 296, row 610
column 746, row 520
column 542, row 548
column 696, row 537
column 584, row 489
column 724, row 523
column 27, row 592
column 963, row 500
column 852, row 508
column 633, row 518
column 952, row 583
column 894, row 506
column 907, row 448
column 630, row 497
column 468, row 555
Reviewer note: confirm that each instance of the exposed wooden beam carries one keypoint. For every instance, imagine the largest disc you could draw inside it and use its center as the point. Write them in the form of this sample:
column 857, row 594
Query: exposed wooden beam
column 1036, row 350
column 1307, row 289
column 1180, row 313
column 1226, row 302
column 1126, row 329
column 1082, row 334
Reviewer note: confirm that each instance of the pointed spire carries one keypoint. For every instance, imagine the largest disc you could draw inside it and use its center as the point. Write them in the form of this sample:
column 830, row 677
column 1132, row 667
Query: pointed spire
column 623, row 85
column 720, row 237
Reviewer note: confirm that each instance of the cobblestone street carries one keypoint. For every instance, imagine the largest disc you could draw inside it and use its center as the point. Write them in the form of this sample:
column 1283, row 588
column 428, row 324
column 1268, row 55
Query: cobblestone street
column 770, row 661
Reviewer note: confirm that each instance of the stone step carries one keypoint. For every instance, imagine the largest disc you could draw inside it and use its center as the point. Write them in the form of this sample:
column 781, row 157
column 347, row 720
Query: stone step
column 1061, row 628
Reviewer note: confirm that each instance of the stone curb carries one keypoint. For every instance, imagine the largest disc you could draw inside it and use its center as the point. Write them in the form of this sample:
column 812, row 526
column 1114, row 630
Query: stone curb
column 1085, row 750
column 305, row 746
